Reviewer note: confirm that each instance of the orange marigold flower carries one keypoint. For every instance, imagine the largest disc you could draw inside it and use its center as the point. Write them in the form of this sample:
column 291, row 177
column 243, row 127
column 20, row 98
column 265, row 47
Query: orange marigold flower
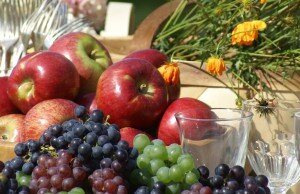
column 170, row 73
column 215, row 66
column 263, row 1
column 245, row 33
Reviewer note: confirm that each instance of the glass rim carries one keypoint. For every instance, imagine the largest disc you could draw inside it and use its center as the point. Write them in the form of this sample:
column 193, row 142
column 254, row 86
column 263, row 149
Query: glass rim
column 297, row 114
column 270, row 107
column 243, row 116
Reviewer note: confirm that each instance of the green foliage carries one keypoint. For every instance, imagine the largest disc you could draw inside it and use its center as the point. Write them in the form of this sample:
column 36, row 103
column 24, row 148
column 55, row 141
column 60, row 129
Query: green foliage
column 203, row 28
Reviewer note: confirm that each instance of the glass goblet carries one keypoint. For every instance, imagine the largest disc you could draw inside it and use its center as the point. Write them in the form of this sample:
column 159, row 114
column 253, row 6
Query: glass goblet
column 215, row 136
column 271, row 147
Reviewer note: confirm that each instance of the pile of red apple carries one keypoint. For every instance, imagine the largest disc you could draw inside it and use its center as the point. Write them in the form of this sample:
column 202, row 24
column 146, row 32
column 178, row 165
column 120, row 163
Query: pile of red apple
column 134, row 93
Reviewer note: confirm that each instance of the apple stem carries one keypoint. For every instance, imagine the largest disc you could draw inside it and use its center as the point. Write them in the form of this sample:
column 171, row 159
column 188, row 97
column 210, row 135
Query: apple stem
column 106, row 120
column 4, row 137
column 143, row 87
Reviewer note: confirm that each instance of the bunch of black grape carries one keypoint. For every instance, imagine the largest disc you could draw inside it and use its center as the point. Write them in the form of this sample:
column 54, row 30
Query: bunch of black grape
column 229, row 181
column 17, row 171
column 9, row 183
column 93, row 141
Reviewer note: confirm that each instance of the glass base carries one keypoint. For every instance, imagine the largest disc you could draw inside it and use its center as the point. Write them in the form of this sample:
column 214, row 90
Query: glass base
column 279, row 190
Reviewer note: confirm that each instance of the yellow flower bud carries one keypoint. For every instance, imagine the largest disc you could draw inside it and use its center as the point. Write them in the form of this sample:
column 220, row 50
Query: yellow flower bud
column 170, row 73
column 215, row 66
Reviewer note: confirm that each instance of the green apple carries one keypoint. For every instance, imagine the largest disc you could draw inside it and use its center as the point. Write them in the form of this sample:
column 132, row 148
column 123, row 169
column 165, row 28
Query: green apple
column 88, row 55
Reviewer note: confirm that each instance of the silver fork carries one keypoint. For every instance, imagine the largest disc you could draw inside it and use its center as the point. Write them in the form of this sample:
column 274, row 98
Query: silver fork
column 25, row 9
column 52, row 18
column 30, row 23
column 9, row 30
column 75, row 25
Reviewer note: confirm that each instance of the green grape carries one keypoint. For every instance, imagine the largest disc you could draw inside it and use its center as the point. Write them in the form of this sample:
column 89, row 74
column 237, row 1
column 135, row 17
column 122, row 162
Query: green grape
column 187, row 164
column 183, row 156
column 173, row 188
column 134, row 175
column 140, row 142
column 159, row 152
column 62, row 192
column 152, row 181
column 143, row 161
column 144, row 177
column 185, row 186
column 163, row 175
column 174, row 152
column 158, row 142
column 76, row 190
column 191, row 178
column 147, row 150
column 155, row 164
column 19, row 174
column 196, row 172
column 24, row 180
column 176, row 174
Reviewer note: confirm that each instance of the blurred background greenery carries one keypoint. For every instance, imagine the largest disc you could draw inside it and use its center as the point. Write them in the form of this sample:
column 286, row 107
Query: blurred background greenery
column 142, row 8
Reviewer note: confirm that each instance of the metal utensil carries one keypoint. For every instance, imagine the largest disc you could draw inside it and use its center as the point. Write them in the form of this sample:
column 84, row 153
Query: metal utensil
column 25, row 9
column 75, row 25
column 9, row 30
column 30, row 23
column 53, row 17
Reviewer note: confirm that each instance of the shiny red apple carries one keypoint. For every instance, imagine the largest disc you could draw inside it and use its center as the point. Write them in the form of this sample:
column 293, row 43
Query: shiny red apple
column 153, row 56
column 45, row 114
column 6, row 106
column 133, row 93
column 42, row 76
column 88, row 55
column 128, row 134
column 93, row 105
column 169, row 70
column 11, row 127
column 168, row 130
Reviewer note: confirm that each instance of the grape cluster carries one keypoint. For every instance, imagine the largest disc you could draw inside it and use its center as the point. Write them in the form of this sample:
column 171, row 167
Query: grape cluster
column 107, row 180
column 55, row 174
column 96, row 143
column 12, row 180
column 229, row 181
column 198, row 188
column 167, row 165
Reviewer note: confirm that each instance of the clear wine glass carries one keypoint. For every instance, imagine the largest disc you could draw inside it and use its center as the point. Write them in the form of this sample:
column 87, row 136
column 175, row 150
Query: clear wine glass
column 271, row 147
column 215, row 136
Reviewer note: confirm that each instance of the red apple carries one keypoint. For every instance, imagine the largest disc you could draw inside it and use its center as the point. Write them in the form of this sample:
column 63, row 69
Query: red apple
column 6, row 105
column 153, row 56
column 42, row 76
column 11, row 127
column 45, row 114
column 168, row 130
column 133, row 93
column 128, row 134
column 173, row 92
column 93, row 105
column 88, row 55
